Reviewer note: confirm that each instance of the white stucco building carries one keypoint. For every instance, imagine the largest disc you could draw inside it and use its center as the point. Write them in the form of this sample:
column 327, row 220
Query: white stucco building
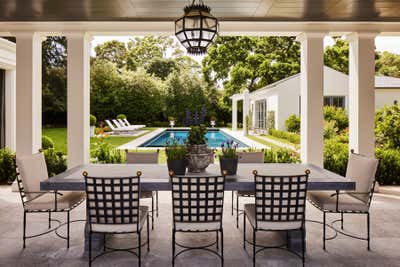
column 282, row 98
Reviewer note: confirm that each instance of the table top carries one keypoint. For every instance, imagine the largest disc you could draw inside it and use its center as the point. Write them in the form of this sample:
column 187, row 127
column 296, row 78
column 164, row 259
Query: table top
column 155, row 176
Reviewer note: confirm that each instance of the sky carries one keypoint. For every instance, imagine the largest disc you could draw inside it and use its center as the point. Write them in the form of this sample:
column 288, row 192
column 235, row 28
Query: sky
column 382, row 43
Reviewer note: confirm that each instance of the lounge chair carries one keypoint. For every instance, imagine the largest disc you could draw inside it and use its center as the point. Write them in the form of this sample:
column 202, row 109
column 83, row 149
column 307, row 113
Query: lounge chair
column 125, row 128
column 138, row 125
column 124, row 124
column 115, row 129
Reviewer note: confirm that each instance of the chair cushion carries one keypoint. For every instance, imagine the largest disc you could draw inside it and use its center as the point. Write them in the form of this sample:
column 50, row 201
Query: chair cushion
column 122, row 228
column 146, row 194
column 197, row 226
column 250, row 210
column 245, row 193
column 47, row 201
column 142, row 157
column 324, row 201
column 251, row 157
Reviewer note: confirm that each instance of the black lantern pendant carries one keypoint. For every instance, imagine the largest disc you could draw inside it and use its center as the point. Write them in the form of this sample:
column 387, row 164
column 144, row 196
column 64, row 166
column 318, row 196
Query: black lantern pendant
column 197, row 29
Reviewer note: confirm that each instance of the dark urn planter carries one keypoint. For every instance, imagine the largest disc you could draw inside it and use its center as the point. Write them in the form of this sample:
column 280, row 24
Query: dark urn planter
column 229, row 165
column 178, row 166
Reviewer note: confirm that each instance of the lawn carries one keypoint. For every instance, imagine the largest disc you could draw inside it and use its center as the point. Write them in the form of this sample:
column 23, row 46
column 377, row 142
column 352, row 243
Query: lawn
column 263, row 141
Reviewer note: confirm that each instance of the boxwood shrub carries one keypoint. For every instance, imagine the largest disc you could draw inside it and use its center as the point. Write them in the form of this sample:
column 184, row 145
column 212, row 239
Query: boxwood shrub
column 291, row 137
column 282, row 155
column 7, row 166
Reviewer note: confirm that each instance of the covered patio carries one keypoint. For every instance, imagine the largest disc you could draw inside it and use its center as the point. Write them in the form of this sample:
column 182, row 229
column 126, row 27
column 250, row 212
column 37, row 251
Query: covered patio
column 309, row 21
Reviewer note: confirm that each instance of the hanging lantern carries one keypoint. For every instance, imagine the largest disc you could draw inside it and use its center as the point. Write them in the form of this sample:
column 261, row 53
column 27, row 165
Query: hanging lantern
column 197, row 29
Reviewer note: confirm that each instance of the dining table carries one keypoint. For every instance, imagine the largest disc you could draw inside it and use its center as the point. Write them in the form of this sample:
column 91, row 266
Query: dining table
column 155, row 177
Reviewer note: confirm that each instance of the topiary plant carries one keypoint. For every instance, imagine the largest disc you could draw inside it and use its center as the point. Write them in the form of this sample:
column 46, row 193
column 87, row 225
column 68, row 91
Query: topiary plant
column 292, row 123
column 121, row 116
column 93, row 120
column 47, row 142
column 197, row 136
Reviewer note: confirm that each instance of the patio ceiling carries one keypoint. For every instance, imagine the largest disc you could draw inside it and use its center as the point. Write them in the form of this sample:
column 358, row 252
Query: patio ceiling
column 226, row 10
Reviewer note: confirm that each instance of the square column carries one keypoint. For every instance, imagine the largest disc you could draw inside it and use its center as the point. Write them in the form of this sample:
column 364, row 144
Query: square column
column 234, row 114
column 246, row 107
column 362, row 93
column 28, row 93
column 311, row 91
column 78, row 98
column 10, row 110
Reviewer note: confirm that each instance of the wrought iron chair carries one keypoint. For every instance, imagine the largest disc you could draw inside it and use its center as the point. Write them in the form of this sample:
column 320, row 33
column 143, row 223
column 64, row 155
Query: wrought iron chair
column 246, row 157
column 362, row 169
column 113, row 207
column 197, row 206
column 146, row 158
column 31, row 170
column 280, row 203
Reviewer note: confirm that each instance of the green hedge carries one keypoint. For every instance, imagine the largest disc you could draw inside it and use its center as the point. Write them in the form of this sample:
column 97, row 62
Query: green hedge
column 336, row 155
column 282, row 155
column 7, row 166
column 291, row 137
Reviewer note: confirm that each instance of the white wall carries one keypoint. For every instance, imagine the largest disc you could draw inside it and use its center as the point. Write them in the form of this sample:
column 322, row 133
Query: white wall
column 386, row 97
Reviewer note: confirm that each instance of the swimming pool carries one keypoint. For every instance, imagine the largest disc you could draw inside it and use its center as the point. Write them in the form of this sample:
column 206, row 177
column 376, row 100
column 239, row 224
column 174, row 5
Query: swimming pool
column 214, row 138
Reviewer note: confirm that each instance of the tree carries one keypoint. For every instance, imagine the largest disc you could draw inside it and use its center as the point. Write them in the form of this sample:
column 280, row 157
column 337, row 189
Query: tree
column 113, row 51
column 162, row 67
column 337, row 56
column 388, row 64
column 387, row 129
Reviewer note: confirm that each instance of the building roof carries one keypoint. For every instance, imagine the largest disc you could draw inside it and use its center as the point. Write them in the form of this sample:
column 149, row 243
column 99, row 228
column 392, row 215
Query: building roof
column 387, row 82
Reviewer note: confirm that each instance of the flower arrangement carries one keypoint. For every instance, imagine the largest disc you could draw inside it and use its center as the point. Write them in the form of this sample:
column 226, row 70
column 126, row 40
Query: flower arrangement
column 228, row 150
column 175, row 150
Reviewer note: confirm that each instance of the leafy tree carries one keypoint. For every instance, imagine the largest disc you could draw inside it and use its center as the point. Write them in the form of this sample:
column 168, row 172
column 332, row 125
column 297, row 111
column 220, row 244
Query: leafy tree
column 162, row 67
column 387, row 129
column 337, row 56
column 113, row 51
column 388, row 64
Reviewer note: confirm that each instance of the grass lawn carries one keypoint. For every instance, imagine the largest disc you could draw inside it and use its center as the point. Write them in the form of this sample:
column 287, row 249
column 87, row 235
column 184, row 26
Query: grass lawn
column 262, row 141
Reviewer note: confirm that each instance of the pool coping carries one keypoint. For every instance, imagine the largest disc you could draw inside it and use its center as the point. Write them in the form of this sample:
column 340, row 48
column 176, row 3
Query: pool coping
column 136, row 144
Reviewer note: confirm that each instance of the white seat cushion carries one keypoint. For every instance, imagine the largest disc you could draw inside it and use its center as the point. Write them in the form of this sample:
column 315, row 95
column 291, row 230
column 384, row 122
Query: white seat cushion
column 47, row 201
column 146, row 194
column 122, row 228
column 245, row 193
column 324, row 201
column 197, row 226
column 250, row 210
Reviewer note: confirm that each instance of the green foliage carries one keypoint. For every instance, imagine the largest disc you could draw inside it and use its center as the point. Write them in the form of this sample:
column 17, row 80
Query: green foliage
column 336, row 156
column 55, row 161
column 337, row 56
column 113, row 51
column 388, row 64
column 7, row 166
column 270, row 120
column 121, row 117
column 104, row 152
column 387, row 126
column 228, row 150
column 281, row 155
column 175, row 151
column 337, row 114
column 197, row 135
column 93, row 120
column 292, row 123
column 389, row 166
column 330, row 129
column 47, row 142
column 291, row 137
column 162, row 67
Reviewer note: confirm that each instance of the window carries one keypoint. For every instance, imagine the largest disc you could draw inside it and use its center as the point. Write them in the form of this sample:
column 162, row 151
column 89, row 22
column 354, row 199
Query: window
column 336, row 101
column 260, row 112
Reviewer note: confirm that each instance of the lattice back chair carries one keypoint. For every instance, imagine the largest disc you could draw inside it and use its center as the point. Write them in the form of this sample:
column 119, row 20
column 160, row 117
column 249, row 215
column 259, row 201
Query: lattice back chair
column 31, row 170
column 197, row 206
column 113, row 207
column 362, row 170
column 243, row 158
column 146, row 158
column 280, row 204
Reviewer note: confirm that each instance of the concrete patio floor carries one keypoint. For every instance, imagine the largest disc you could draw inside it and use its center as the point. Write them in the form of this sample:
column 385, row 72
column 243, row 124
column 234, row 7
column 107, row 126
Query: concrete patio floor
column 51, row 251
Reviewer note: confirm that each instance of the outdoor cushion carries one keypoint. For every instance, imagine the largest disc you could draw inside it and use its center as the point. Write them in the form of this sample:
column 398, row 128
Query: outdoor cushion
column 146, row 194
column 362, row 169
column 122, row 228
column 65, row 200
column 197, row 226
column 250, row 210
column 251, row 157
column 142, row 157
column 325, row 201
column 32, row 170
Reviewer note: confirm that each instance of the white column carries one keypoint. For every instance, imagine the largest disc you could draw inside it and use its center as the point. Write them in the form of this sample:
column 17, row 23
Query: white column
column 361, row 92
column 28, row 93
column 10, row 110
column 246, row 106
column 78, row 98
column 312, row 81
column 234, row 114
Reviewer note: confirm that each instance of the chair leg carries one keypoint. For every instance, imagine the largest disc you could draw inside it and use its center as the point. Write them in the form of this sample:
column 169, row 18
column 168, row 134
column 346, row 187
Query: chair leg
column 157, row 203
column 323, row 234
column 24, row 230
column 217, row 240
column 68, row 216
column 368, row 231
column 254, row 247
column 90, row 248
column 303, row 247
column 152, row 212
column 237, row 211
column 341, row 220
column 140, row 248
column 222, row 247
column 244, row 230
column 49, row 219
column 173, row 247
column 148, row 233
column 232, row 202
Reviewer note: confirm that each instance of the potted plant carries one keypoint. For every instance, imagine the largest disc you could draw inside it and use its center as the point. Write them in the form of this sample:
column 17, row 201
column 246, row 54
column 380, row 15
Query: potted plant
column 93, row 121
column 176, row 157
column 228, row 160
column 171, row 122
column 198, row 153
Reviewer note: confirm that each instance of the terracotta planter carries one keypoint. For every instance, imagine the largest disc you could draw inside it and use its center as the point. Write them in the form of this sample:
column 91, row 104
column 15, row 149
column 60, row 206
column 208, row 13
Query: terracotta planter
column 178, row 166
column 229, row 165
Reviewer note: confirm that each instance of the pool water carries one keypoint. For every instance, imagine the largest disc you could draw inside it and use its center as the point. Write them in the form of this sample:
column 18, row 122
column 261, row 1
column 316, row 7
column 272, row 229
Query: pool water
column 214, row 138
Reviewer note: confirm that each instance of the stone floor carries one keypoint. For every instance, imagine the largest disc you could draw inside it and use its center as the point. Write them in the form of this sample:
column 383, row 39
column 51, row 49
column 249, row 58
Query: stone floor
column 51, row 251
